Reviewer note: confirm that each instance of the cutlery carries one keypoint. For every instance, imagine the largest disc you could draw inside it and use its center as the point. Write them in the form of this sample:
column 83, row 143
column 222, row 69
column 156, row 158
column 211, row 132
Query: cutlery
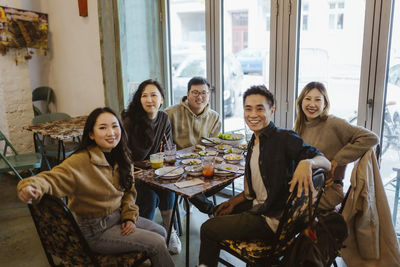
column 225, row 170
column 158, row 176
column 180, row 178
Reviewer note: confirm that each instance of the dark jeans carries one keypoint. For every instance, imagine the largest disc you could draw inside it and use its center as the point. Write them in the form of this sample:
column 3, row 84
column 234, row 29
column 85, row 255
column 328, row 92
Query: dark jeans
column 241, row 225
column 148, row 199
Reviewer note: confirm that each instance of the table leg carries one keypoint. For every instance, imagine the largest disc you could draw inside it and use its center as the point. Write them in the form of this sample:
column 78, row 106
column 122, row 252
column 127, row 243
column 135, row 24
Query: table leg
column 187, row 231
column 59, row 151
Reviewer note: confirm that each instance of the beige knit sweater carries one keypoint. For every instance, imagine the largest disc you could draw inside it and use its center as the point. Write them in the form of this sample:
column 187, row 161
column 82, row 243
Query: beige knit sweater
column 90, row 183
column 338, row 139
column 188, row 128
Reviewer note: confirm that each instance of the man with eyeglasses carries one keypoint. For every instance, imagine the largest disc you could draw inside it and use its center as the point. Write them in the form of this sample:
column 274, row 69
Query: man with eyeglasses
column 191, row 120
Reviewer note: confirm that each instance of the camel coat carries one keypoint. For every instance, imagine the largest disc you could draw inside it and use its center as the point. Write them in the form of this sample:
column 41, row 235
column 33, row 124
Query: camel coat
column 372, row 238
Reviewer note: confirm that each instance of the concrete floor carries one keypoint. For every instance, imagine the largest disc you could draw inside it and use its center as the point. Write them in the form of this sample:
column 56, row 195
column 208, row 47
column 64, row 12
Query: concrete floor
column 20, row 245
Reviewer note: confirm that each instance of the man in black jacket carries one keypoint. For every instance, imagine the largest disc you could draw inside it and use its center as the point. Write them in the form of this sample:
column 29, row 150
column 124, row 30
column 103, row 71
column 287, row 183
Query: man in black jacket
column 277, row 160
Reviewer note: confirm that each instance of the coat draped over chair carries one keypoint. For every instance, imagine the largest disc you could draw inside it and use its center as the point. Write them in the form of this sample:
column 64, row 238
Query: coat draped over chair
column 372, row 239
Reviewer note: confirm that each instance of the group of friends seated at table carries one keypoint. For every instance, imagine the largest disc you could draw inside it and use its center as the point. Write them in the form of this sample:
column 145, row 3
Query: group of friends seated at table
column 115, row 213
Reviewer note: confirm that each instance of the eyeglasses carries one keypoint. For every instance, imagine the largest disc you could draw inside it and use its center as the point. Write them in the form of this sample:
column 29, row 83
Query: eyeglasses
column 196, row 93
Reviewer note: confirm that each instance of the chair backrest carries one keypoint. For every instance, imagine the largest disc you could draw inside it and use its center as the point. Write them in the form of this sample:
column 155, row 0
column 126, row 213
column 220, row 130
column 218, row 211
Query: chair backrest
column 43, row 93
column 49, row 117
column 6, row 144
column 59, row 233
column 296, row 215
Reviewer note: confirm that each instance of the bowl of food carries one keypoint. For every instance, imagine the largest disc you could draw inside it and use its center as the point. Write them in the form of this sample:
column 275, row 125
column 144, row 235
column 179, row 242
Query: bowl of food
column 191, row 162
column 243, row 146
column 231, row 139
column 233, row 150
column 208, row 153
column 233, row 158
column 222, row 147
column 219, row 159
column 188, row 155
column 196, row 170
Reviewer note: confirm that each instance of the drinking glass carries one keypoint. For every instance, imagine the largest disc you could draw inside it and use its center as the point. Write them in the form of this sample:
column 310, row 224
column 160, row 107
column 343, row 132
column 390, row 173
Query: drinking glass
column 208, row 166
column 157, row 160
column 170, row 154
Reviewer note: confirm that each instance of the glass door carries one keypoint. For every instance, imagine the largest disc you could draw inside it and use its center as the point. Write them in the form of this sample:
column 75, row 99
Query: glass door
column 246, row 34
column 187, row 27
column 390, row 154
column 330, row 50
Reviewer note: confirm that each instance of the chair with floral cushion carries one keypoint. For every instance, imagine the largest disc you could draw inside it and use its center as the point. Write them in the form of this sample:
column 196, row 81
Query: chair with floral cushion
column 63, row 241
column 294, row 219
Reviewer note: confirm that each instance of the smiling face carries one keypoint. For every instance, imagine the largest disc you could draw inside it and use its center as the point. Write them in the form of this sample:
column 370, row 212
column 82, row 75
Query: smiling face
column 151, row 100
column 257, row 112
column 198, row 97
column 106, row 132
column 313, row 104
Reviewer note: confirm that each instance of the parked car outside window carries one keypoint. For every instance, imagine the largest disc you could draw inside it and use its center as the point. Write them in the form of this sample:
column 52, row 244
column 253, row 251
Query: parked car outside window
column 196, row 66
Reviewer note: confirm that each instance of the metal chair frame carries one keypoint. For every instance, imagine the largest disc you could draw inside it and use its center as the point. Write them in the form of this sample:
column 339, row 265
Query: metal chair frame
column 278, row 249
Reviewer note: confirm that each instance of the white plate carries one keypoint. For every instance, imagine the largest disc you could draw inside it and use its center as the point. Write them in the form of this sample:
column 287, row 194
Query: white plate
column 191, row 161
column 230, row 167
column 172, row 175
column 188, row 155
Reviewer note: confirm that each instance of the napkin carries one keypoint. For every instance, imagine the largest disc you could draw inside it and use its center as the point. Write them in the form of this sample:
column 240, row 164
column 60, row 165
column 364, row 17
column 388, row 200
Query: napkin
column 193, row 182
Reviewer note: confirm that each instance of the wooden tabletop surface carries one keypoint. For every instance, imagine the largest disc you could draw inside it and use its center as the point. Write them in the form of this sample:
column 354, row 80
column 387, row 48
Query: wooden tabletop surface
column 148, row 177
column 60, row 129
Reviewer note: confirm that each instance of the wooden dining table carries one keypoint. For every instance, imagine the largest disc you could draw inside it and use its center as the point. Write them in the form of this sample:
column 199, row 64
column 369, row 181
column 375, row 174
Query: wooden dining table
column 210, row 185
column 60, row 130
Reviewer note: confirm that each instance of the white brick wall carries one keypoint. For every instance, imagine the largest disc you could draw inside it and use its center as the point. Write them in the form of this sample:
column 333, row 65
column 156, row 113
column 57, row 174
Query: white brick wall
column 15, row 102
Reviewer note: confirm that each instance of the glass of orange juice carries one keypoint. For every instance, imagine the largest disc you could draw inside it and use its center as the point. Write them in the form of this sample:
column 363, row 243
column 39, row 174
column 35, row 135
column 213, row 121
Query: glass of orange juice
column 157, row 160
column 208, row 166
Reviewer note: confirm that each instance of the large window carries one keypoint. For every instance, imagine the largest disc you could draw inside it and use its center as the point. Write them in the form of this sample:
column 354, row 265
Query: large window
column 282, row 44
column 188, row 44
column 391, row 120
column 333, row 58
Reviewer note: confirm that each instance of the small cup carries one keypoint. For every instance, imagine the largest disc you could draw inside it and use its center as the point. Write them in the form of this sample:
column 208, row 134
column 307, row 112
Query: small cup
column 208, row 166
column 157, row 160
column 170, row 155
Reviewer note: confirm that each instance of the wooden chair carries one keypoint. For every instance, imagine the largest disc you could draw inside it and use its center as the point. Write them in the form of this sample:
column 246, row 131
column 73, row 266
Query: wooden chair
column 47, row 146
column 294, row 219
column 17, row 161
column 62, row 238
column 42, row 93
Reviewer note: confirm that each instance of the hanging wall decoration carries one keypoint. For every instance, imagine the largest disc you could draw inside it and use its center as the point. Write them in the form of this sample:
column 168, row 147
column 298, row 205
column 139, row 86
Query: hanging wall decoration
column 23, row 29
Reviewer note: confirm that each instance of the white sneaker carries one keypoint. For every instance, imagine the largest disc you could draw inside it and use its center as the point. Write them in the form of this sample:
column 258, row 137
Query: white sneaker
column 175, row 245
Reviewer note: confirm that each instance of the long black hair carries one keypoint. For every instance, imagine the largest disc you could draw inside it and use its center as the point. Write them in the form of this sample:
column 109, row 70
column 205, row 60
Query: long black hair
column 137, row 124
column 120, row 153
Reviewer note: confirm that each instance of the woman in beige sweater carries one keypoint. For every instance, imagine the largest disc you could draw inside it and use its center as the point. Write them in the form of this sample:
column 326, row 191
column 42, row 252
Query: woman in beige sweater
column 340, row 141
column 99, row 184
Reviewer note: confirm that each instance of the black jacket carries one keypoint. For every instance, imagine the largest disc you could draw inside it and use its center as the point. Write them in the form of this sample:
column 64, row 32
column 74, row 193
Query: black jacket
column 280, row 152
